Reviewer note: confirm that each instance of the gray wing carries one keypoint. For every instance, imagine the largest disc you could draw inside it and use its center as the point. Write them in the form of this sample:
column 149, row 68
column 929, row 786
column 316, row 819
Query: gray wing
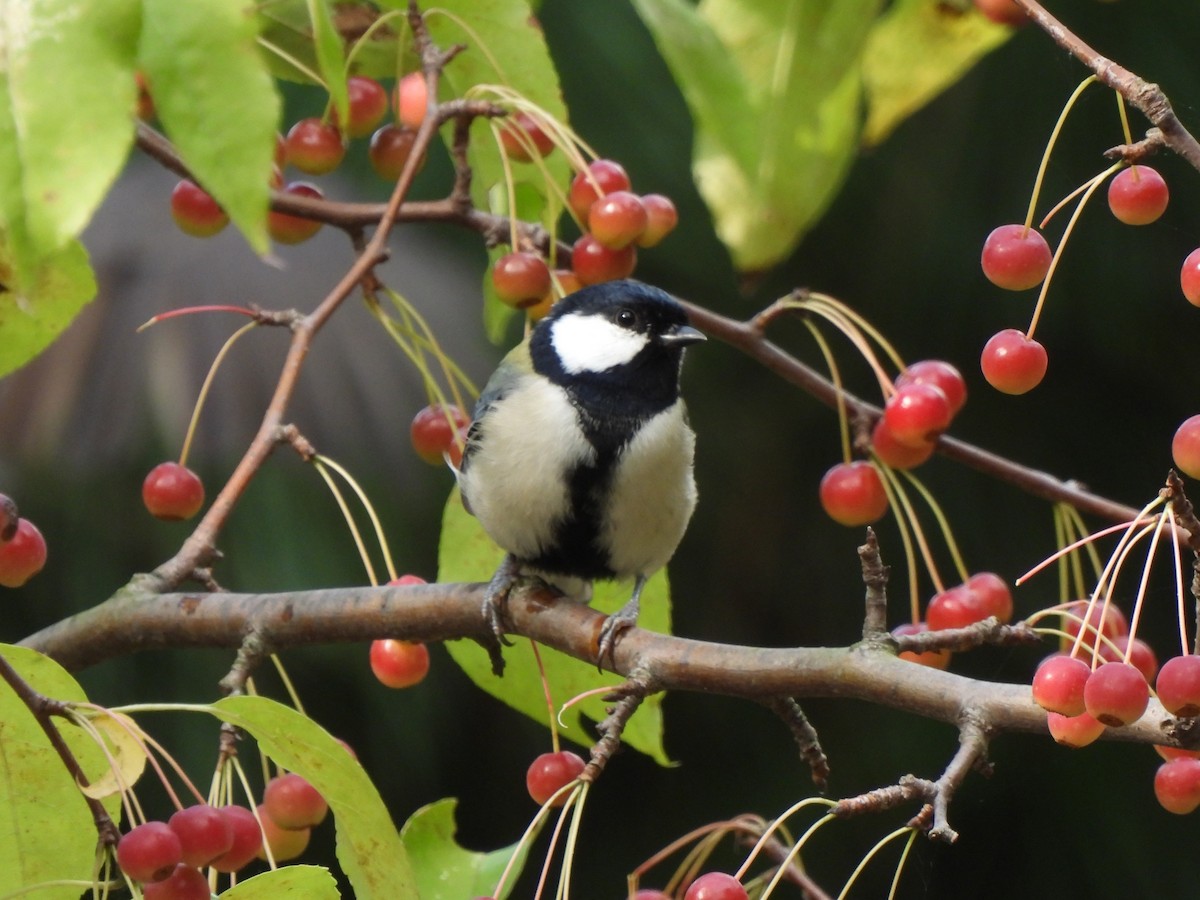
column 503, row 380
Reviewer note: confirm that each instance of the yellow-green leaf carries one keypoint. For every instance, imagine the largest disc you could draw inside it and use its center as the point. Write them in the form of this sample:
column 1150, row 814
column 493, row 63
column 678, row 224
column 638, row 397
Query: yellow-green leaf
column 466, row 553
column 447, row 871
column 917, row 49
column 290, row 882
column 216, row 101
column 46, row 828
column 368, row 846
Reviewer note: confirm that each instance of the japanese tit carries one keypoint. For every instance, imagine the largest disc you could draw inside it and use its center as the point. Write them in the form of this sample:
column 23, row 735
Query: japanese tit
column 578, row 459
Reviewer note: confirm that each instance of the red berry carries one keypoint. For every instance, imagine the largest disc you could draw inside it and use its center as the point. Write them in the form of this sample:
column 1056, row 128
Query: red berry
column 1058, row 684
column 1177, row 785
column 314, row 146
column 522, row 138
column 247, row 839
column 661, row 219
column 285, row 843
column 149, row 852
column 1002, row 12
column 368, row 105
column 1185, row 447
column 185, row 883
column 1138, row 195
column 716, row 886
column 292, row 803
column 204, row 834
column 550, row 772
column 895, row 454
column 1013, row 363
column 617, row 219
column 408, row 579
column 172, row 492
column 852, row 493
column 1074, row 731
column 593, row 263
column 390, row 149
column 1092, row 618
column 603, row 176
column 1178, row 685
column 399, row 664
column 521, row 279
column 917, row 413
column 1015, row 258
column 1170, row 753
column 195, row 211
column 933, row 659
column 1189, row 277
column 1116, row 694
column 955, row 607
column 434, row 430
column 940, row 374
column 650, row 894
column 23, row 555
column 289, row 229
column 411, row 99
column 1141, row 655
column 992, row 594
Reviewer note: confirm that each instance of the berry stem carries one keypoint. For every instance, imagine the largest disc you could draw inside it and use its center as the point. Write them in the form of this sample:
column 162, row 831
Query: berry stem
column 568, row 863
column 364, row 39
column 863, row 323
column 910, row 557
column 288, row 686
column 848, row 328
column 898, row 494
column 870, row 854
column 943, row 523
column 1062, row 243
column 569, row 787
column 1179, row 588
column 319, row 462
column 1041, row 172
column 787, row 861
column 553, row 719
column 775, row 826
column 292, row 61
column 836, row 377
column 1135, row 615
column 370, row 510
column 188, row 310
column 203, row 395
column 1125, row 130
column 904, row 854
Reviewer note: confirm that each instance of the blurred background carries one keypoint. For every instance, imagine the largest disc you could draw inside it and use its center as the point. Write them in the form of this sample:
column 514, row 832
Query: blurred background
column 761, row 564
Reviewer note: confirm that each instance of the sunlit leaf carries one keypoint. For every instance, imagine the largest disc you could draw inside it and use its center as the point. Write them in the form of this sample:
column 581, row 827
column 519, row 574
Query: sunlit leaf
column 126, row 754
column 290, row 882
column 216, row 100
column 916, row 50
column 444, row 869
column 466, row 553
column 46, row 830
column 330, row 59
column 33, row 315
column 67, row 99
column 368, row 846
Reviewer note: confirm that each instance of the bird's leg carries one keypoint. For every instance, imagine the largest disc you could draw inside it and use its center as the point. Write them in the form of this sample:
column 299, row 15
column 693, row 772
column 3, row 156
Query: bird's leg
column 618, row 623
column 495, row 601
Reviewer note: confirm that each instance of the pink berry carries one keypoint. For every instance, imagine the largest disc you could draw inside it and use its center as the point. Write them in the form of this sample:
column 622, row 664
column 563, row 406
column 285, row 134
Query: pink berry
column 195, row 211
column 1013, row 363
column 549, row 773
column 617, row 219
column 284, row 843
column 389, row 150
column 1138, row 195
column 594, row 263
column 23, row 555
column 852, row 494
column 247, row 839
column 204, row 834
column 1141, row 655
column 314, row 146
column 894, row 454
column 716, row 886
column 521, row 279
column 992, row 594
column 940, row 374
column 1178, row 685
column 293, row 803
column 435, row 429
column 933, row 659
column 149, row 852
column 399, row 664
column 1185, row 447
column 1189, row 277
column 1116, row 694
column 1177, row 785
column 955, row 607
column 603, row 176
column 368, row 105
column 288, row 229
column 1015, row 258
column 184, row 883
column 1058, row 684
column 1074, row 731
column 172, row 492
column 661, row 219
column 917, row 413
column 1083, row 615
column 412, row 97
column 523, row 138
column 1002, row 12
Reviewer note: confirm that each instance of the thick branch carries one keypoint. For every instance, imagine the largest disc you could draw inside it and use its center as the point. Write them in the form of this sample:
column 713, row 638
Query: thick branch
column 139, row 620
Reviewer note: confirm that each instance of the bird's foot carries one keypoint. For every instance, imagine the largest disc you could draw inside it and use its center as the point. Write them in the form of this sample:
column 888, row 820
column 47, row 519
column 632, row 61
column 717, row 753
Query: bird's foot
column 616, row 625
column 495, row 609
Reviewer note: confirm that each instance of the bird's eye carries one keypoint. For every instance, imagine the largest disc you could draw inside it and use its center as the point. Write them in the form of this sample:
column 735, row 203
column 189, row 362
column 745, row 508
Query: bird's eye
column 626, row 317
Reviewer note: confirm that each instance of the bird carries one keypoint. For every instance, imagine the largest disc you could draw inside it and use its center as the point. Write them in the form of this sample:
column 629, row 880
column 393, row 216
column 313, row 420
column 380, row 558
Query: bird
column 579, row 455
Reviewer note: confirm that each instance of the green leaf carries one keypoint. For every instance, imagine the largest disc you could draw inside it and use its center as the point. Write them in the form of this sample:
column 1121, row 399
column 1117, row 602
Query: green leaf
column 31, row 317
column 216, row 100
column 445, row 870
column 329, row 56
column 287, row 32
column 466, row 553
column 774, row 91
column 916, row 50
column 368, row 846
column 290, row 882
column 67, row 99
column 46, row 828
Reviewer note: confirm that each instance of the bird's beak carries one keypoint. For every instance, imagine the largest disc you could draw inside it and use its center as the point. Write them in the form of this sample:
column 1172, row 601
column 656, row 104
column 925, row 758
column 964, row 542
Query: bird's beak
column 682, row 335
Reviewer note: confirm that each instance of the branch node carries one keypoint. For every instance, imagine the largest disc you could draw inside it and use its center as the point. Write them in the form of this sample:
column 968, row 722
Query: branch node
column 806, row 738
column 628, row 696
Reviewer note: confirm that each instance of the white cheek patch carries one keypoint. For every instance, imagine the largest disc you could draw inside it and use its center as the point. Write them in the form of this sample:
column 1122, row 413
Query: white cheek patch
column 592, row 343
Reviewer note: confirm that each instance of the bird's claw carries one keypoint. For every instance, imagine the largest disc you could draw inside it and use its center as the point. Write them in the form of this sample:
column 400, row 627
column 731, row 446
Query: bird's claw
column 495, row 610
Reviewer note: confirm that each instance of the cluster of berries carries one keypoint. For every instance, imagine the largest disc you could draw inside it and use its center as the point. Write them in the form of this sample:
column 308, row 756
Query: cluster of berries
column 166, row 857
column 22, row 547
